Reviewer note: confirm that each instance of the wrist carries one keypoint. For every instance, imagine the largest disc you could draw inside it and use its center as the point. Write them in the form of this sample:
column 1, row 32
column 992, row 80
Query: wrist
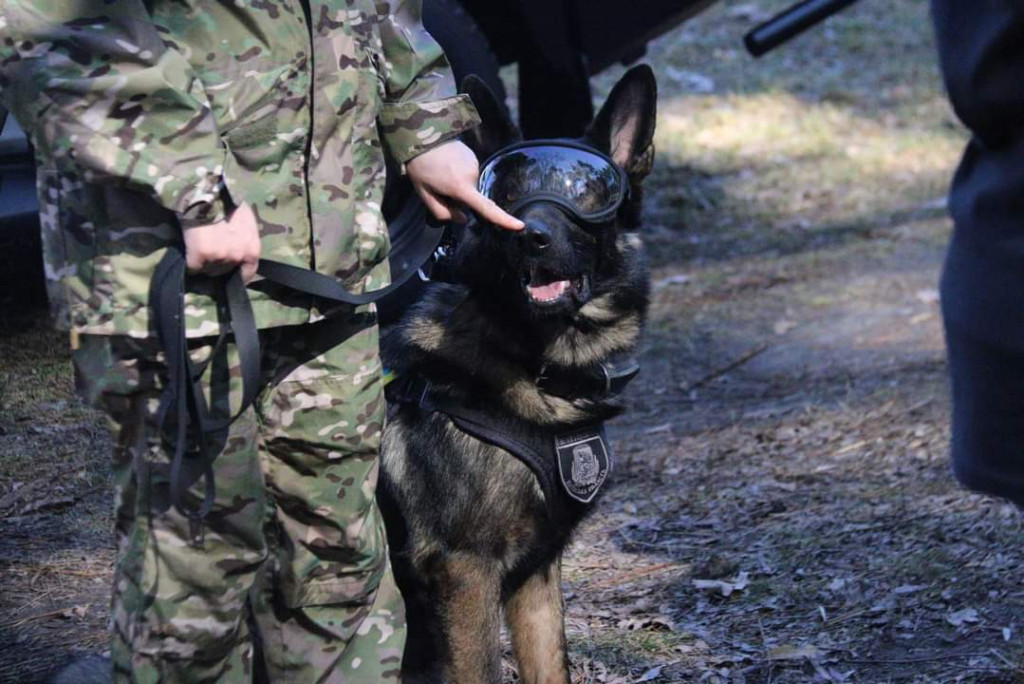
column 207, row 209
column 444, row 141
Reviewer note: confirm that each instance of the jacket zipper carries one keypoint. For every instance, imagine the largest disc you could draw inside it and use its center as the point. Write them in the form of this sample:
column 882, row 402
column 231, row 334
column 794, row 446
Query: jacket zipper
column 307, row 9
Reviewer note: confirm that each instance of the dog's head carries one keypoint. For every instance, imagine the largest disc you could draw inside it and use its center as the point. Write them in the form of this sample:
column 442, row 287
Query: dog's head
column 569, row 254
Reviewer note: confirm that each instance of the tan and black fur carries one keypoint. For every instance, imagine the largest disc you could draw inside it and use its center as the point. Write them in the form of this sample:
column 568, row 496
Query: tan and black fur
column 471, row 537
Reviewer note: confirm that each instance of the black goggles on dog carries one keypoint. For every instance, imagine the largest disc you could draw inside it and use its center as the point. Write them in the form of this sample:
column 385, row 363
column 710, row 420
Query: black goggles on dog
column 577, row 178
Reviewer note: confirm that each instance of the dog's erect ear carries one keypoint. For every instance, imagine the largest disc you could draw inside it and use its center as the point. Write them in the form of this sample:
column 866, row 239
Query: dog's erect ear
column 624, row 128
column 496, row 129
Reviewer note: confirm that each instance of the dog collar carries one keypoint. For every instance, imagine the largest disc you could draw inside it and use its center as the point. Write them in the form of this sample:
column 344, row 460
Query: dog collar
column 602, row 380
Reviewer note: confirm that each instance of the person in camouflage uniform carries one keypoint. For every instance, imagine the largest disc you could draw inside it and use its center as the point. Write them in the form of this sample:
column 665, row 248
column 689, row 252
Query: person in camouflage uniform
column 237, row 129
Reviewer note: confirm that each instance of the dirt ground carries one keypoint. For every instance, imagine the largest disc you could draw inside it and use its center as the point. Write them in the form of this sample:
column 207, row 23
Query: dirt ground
column 782, row 509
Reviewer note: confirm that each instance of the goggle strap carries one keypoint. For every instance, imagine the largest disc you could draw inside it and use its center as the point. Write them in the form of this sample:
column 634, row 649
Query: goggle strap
column 567, row 207
column 526, row 144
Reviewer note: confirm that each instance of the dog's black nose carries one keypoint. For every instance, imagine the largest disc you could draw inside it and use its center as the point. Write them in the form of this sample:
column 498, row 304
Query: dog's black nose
column 537, row 236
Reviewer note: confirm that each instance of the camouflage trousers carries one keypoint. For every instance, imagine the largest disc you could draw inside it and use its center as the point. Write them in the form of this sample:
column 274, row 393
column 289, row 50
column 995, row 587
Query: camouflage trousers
column 292, row 581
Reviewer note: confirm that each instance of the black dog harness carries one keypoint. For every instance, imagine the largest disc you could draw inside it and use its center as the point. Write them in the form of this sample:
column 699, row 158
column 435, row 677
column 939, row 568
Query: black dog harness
column 571, row 463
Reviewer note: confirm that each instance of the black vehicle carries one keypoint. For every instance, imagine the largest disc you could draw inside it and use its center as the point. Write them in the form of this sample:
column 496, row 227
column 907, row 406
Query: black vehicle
column 556, row 44
column 17, row 174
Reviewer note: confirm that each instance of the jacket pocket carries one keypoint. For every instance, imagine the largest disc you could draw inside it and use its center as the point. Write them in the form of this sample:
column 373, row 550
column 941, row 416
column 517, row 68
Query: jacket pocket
column 348, row 575
column 273, row 124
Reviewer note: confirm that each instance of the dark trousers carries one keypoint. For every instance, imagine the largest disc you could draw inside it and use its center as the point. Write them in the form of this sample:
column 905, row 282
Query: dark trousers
column 981, row 49
column 988, row 414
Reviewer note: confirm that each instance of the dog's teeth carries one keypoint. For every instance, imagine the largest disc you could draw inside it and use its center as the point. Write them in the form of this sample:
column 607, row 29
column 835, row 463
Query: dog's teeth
column 549, row 292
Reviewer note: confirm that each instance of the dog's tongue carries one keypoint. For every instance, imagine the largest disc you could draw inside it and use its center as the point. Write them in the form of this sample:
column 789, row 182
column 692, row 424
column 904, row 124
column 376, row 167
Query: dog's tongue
column 549, row 291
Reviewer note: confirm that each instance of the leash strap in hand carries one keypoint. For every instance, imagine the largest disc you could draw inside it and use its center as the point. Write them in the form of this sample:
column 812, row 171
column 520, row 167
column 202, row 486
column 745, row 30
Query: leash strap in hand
column 183, row 399
column 325, row 287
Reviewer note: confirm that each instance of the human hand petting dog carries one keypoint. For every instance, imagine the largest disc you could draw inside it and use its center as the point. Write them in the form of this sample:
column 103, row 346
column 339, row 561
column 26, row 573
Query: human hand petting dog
column 217, row 248
column 446, row 177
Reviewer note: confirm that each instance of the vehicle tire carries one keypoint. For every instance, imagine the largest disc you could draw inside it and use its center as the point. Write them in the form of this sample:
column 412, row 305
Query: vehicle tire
column 468, row 52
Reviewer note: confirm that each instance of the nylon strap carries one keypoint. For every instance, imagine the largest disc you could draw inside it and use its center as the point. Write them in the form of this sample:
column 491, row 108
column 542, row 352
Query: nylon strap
column 326, row 287
column 183, row 410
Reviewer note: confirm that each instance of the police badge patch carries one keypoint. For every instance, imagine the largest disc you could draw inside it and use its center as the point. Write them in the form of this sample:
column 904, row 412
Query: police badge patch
column 584, row 462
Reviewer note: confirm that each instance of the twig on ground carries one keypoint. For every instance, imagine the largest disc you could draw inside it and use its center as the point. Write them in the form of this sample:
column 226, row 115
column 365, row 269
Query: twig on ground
column 1016, row 668
column 32, row 618
column 648, row 571
column 910, row 661
column 14, row 496
column 722, row 370
column 104, row 572
column 38, row 507
column 669, row 545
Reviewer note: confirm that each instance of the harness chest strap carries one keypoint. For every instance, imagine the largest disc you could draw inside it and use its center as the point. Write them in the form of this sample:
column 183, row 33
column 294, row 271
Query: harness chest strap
column 570, row 465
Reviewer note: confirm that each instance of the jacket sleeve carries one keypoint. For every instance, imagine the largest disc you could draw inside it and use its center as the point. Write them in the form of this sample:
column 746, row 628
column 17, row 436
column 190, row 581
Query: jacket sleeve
column 421, row 108
column 99, row 90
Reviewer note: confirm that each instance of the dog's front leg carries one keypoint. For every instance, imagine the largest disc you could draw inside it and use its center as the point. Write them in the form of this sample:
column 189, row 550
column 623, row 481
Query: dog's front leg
column 537, row 623
column 471, row 595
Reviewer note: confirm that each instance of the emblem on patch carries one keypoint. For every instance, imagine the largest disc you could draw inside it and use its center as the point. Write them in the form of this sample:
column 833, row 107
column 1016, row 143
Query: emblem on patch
column 583, row 463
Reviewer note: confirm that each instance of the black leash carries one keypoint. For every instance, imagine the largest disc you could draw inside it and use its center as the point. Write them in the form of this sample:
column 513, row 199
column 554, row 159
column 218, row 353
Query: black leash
column 183, row 401
column 183, row 398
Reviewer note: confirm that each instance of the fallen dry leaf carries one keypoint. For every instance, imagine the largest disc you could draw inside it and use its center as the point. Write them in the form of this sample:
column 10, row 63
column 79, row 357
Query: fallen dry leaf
column 783, row 326
column 958, row 618
column 790, row 652
column 661, row 623
column 651, row 674
column 680, row 279
column 726, row 588
column 78, row 611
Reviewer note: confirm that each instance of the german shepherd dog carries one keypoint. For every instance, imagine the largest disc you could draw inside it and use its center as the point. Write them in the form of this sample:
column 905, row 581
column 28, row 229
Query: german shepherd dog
column 471, row 527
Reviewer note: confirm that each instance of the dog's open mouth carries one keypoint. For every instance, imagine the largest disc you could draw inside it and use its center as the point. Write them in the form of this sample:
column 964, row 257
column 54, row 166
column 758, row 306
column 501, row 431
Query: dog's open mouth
column 546, row 289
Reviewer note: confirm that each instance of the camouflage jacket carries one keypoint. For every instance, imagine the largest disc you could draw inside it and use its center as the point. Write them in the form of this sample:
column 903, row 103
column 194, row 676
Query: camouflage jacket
column 149, row 116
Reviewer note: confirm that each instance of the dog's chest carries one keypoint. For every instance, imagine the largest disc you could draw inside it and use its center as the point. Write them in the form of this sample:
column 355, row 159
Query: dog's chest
column 517, row 509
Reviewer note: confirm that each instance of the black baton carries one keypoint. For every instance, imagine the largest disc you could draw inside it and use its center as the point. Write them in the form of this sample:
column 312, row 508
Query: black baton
column 791, row 23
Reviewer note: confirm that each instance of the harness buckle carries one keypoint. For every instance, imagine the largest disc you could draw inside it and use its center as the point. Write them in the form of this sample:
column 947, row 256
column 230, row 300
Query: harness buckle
column 619, row 374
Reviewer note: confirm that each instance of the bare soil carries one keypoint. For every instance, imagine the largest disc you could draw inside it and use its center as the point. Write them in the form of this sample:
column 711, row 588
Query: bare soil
column 782, row 509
